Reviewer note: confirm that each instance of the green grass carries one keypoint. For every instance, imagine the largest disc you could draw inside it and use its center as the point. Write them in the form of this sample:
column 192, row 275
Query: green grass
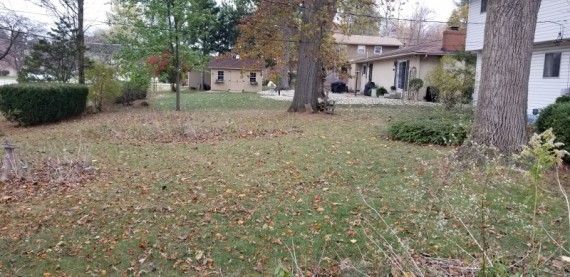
column 219, row 101
column 230, row 184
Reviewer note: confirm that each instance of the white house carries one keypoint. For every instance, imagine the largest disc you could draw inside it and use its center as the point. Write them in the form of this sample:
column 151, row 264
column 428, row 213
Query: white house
column 550, row 65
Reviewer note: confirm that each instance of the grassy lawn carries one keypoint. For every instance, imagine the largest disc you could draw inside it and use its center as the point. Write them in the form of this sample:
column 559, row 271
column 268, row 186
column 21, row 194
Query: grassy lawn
column 235, row 186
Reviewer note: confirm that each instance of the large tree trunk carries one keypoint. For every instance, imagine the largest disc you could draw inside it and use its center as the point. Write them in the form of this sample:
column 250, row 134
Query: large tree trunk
column 501, row 117
column 80, row 43
column 309, row 70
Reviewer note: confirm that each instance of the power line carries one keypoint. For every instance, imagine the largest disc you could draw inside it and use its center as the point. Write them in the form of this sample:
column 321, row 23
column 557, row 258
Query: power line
column 404, row 19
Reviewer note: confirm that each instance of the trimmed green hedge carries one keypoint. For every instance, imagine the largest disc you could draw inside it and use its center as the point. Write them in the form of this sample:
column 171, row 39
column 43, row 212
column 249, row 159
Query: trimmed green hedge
column 437, row 129
column 557, row 117
column 32, row 104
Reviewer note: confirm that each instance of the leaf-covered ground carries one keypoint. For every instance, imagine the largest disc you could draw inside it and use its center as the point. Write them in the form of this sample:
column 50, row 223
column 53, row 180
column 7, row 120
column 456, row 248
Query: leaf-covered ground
column 233, row 185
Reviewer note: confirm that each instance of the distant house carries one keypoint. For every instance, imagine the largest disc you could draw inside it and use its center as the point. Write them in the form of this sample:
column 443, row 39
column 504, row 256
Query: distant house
column 396, row 68
column 550, row 64
column 102, row 52
column 357, row 47
column 235, row 74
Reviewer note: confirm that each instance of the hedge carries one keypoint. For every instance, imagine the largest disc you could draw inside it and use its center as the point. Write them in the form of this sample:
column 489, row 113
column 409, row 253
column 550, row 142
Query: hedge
column 32, row 104
column 557, row 117
column 563, row 99
column 442, row 130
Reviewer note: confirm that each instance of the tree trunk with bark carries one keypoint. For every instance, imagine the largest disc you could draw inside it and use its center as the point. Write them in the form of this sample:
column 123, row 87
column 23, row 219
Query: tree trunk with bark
column 80, row 42
column 316, row 18
column 501, row 117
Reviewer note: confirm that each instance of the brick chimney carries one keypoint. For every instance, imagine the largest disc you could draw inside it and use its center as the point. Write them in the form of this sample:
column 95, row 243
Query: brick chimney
column 454, row 39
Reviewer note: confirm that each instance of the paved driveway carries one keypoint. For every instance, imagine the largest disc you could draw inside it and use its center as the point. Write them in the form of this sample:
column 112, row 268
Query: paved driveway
column 348, row 99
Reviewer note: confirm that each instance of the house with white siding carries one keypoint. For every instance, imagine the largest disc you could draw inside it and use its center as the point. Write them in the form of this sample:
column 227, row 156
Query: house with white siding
column 550, row 65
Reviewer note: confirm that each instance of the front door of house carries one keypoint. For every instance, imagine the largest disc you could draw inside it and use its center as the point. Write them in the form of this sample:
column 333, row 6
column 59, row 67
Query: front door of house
column 402, row 76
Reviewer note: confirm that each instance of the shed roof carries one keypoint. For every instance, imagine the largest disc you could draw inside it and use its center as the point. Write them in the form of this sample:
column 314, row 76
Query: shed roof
column 235, row 63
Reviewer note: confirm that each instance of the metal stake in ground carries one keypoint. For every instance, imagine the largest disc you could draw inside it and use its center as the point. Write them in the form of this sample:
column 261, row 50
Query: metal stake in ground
column 8, row 160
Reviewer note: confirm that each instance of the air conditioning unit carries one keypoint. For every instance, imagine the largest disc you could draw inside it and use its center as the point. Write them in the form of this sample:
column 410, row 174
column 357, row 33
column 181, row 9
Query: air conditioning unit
column 565, row 91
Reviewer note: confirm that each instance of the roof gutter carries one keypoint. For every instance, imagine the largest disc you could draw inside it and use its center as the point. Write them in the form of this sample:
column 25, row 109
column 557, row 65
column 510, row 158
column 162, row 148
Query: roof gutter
column 398, row 56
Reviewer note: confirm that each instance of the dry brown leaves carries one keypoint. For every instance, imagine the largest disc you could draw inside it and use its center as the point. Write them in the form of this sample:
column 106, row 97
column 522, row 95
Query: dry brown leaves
column 47, row 178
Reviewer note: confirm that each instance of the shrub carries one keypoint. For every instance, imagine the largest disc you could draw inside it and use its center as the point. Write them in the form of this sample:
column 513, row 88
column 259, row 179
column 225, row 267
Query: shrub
column 557, row 117
column 416, row 84
column 131, row 91
column 454, row 80
column 134, row 89
column 563, row 99
column 4, row 72
column 382, row 91
column 31, row 104
column 103, row 87
column 443, row 129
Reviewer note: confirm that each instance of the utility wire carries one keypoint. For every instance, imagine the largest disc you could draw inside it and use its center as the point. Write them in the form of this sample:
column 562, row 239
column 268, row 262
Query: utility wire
column 403, row 19
column 294, row 5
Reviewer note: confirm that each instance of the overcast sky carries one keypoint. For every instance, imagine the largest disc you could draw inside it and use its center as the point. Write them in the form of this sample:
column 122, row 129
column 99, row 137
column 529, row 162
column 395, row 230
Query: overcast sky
column 95, row 11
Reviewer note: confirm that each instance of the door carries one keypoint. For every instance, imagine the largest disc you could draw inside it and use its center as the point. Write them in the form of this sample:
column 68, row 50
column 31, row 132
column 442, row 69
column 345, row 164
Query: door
column 402, row 76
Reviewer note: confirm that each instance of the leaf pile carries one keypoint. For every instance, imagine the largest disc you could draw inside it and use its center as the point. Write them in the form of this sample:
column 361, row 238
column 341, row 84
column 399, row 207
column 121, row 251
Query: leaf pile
column 47, row 178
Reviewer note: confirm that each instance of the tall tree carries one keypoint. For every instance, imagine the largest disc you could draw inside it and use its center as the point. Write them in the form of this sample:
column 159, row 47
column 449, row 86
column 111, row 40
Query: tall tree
column 500, row 118
column 269, row 34
column 11, row 29
column 297, row 33
column 73, row 12
column 229, row 17
column 315, row 37
column 359, row 18
column 52, row 59
column 159, row 26
column 459, row 15
column 17, row 34
column 391, row 11
column 418, row 30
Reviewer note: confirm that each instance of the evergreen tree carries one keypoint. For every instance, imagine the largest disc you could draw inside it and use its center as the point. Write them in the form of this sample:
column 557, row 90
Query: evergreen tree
column 52, row 59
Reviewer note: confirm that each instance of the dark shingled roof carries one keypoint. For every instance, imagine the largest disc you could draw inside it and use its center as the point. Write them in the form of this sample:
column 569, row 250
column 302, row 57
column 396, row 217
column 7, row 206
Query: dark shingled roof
column 234, row 63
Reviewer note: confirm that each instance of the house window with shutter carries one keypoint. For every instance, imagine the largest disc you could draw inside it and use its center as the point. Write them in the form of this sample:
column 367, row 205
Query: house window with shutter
column 483, row 6
column 552, row 65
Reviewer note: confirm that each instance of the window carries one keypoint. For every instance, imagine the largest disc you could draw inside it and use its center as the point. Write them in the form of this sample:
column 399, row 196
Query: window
column 378, row 50
column 364, row 70
column 253, row 78
column 483, row 6
column 220, row 76
column 552, row 65
column 361, row 49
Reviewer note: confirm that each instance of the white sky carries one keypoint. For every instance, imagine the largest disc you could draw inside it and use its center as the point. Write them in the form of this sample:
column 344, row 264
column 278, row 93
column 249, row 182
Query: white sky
column 95, row 11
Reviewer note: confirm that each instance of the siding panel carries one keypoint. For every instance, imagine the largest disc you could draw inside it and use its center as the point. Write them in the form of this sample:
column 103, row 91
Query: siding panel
column 544, row 91
column 553, row 18
column 475, row 28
